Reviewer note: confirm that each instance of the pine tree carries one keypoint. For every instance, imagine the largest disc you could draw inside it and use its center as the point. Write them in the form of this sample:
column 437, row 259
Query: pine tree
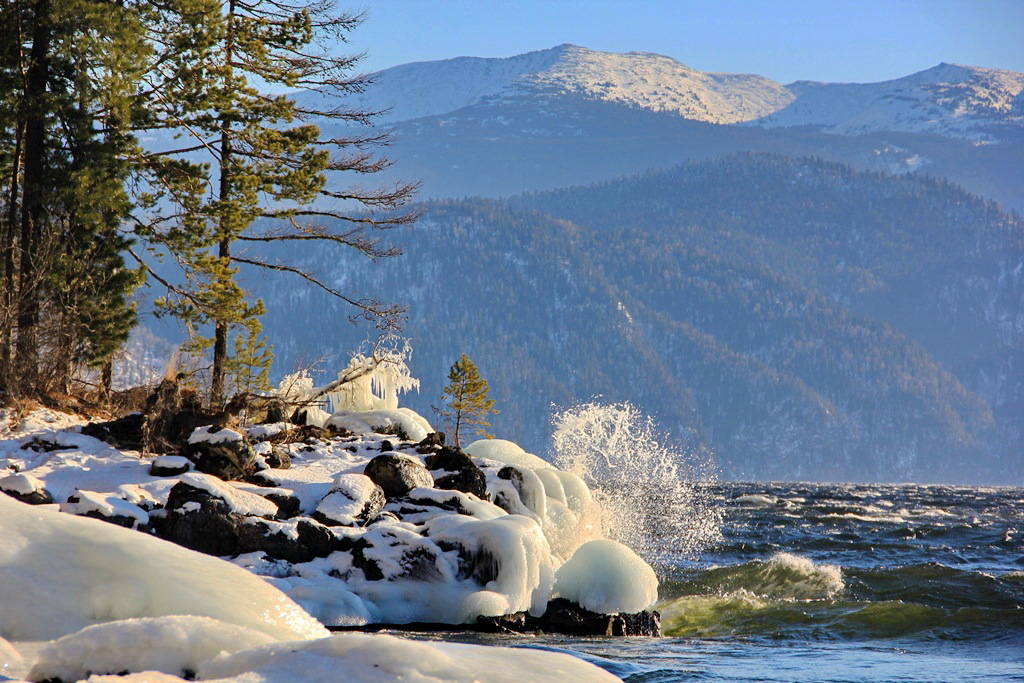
column 466, row 399
column 268, row 161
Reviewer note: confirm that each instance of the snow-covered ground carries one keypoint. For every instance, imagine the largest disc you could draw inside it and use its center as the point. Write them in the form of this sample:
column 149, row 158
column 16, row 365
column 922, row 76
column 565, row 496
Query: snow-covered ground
column 80, row 596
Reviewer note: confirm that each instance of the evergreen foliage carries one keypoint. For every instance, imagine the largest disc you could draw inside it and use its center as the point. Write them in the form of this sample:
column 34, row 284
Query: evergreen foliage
column 275, row 174
column 80, row 82
column 69, row 71
column 466, row 400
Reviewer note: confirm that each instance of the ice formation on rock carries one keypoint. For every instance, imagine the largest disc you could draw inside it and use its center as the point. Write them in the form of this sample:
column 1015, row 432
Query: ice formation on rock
column 607, row 577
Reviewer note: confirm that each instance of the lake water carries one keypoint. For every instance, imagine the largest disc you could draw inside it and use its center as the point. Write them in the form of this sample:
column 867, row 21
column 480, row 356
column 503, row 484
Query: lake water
column 837, row 583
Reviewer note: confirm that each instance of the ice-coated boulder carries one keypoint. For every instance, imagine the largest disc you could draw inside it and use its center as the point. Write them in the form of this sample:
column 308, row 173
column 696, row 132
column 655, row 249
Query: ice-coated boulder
column 606, row 576
column 353, row 500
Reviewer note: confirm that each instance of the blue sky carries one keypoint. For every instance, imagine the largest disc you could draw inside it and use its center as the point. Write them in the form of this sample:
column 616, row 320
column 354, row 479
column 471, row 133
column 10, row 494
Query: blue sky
column 826, row 40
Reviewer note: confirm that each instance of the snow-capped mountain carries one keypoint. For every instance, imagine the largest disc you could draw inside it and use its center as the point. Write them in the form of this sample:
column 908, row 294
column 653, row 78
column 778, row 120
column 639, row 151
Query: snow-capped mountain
column 638, row 79
column 955, row 101
column 948, row 99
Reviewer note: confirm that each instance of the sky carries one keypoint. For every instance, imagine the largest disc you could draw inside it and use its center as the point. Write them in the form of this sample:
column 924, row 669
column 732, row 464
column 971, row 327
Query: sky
column 785, row 40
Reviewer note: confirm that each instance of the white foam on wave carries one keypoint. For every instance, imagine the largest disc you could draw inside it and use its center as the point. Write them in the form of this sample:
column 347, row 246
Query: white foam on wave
column 785, row 575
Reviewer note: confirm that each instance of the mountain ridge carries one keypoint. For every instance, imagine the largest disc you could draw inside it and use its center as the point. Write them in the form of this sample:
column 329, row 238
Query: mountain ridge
column 948, row 99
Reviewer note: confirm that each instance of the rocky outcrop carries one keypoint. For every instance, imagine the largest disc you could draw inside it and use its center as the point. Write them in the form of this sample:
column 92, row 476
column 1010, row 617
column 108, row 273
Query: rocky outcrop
column 460, row 473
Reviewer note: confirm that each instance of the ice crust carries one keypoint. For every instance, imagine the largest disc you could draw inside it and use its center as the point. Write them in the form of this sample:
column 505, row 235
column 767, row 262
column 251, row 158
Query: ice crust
column 60, row 573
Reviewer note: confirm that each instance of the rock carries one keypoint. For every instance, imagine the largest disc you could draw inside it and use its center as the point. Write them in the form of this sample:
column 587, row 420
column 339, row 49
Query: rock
column 386, row 446
column 90, row 504
column 288, row 506
column 25, row 488
column 199, row 520
column 398, row 474
column 431, row 442
column 169, row 466
column 275, row 410
column 124, row 433
column 563, row 616
column 462, row 473
column 352, row 501
column 278, row 458
column 220, row 451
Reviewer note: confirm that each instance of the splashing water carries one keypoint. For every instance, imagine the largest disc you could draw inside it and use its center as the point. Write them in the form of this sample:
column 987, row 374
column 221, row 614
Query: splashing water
column 646, row 486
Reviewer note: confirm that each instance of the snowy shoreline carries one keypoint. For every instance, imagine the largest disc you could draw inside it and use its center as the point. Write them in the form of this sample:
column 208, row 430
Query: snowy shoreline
column 315, row 531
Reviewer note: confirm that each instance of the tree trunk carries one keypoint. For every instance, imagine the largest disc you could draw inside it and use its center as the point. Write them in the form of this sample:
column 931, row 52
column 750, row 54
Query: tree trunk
column 220, row 334
column 107, row 378
column 10, row 269
column 37, row 76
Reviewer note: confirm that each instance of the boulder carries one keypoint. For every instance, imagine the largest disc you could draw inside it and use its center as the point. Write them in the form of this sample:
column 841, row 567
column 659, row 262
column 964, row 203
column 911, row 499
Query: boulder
column 169, row 466
column 431, row 443
column 563, row 616
column 124, row 433
column 25, row 488
column 278, row 458
column 353, row 500
column 398, row 474
column 220, row 451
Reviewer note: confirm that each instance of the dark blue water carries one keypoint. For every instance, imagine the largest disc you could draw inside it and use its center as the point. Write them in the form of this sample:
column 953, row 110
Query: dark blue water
column 850, row 583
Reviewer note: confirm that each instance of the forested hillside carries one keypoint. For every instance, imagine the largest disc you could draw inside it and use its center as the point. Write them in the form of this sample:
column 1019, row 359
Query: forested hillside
column 798, row 318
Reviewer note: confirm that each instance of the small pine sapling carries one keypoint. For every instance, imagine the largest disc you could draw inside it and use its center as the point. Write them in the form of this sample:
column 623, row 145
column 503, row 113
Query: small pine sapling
column 465, row 400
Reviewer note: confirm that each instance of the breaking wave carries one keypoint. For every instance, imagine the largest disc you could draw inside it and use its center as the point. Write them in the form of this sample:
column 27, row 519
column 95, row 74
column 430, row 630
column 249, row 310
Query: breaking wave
column 793, row 597
column 648, row 489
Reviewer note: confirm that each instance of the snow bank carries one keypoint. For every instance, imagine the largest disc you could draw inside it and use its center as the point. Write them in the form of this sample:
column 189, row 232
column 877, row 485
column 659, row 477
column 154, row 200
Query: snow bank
column 607, row 577
column 60, row 573
column 372, row 658
column 106, row 505
column 384, row 421
column 10, row 659
column 172, row 645
column 24, row 484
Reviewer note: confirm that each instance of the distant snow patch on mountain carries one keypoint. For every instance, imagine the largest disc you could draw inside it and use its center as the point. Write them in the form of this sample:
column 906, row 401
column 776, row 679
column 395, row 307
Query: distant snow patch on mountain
column 658, row 83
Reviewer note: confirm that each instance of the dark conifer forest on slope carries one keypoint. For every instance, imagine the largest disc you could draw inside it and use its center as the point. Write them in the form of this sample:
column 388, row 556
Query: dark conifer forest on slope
column 796, row 318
